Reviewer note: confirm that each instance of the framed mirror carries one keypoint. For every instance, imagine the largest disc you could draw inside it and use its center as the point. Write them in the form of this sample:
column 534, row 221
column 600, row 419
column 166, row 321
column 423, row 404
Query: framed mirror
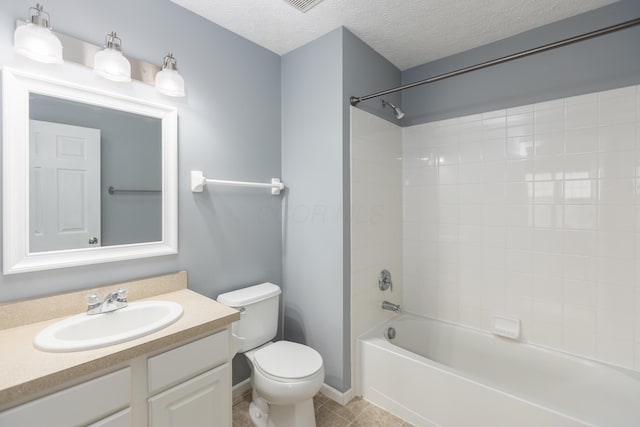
column 89, row 176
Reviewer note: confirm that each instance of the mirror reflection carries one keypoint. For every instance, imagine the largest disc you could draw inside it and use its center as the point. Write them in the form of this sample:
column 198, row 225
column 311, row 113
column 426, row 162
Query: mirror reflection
column 95, row 176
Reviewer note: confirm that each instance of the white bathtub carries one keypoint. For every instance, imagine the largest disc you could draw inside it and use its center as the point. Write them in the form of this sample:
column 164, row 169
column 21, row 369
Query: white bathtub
column 436, row 373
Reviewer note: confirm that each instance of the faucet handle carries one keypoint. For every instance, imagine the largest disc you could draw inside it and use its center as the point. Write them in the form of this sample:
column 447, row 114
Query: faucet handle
column 93, row 299
column 121, row 295
column 384, row 280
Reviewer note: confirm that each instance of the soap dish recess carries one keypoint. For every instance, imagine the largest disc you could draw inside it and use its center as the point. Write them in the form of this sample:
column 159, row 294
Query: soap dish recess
column 508, row 327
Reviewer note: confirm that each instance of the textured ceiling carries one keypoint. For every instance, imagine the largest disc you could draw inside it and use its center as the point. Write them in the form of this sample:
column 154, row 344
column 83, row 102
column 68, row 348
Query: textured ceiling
column 406, row 32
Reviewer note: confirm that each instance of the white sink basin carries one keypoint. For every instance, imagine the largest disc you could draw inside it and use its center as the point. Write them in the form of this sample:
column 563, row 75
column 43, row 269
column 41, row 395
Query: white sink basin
column 84, row 332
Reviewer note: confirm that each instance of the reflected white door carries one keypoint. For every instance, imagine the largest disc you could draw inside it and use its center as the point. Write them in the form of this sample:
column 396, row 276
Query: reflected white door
column 64, row 194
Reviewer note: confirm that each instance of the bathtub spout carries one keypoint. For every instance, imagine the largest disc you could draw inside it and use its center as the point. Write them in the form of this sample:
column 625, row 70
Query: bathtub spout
column 386, row 305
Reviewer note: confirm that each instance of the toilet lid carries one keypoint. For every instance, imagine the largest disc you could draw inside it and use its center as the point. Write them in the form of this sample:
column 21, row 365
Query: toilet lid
column 286, row 359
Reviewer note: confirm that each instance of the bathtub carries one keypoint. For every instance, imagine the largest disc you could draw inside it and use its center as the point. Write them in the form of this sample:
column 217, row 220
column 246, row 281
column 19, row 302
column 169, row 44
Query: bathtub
column 439, row 374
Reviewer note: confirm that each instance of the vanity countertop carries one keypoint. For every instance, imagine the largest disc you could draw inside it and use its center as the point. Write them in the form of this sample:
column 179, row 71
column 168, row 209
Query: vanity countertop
column 27, row 371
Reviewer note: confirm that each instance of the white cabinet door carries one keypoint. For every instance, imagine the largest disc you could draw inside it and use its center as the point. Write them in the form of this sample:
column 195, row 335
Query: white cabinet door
column 204, row 401
column 121, row 419
column 65, row 187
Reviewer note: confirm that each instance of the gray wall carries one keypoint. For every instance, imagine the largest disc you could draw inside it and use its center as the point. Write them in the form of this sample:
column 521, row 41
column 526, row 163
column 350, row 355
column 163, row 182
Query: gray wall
column 130, row 158
column 317, row 80
column 599, row 64
column 229, row 127
column 312, row 168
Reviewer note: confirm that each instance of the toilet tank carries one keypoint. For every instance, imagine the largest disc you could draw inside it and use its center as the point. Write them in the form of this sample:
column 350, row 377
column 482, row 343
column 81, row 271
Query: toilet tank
column 258, row 307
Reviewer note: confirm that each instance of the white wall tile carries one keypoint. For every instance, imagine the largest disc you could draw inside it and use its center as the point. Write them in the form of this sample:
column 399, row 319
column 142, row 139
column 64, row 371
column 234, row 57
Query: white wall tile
column 580, row 217
column 549, row 120
column 616, row 244
column 580, row 293
column 518, row 193
column 548, row 192
column 448, row 174
column 621, row 137
column 617, row 191
column 580, row 166
column 582, row 115
column 618, row 107
column 470, row 151
column 615, row 351
column 581, row 140
column 549, row 240
column 580, row 341
column 549, row 168
column 580, row 191
column 531, row 213
column 548, row 143
column 616, row 218
column 519, row 147
column 493, row 149
column 619, row 164
column 519, row 170
column 577, row 242
column 470, row 173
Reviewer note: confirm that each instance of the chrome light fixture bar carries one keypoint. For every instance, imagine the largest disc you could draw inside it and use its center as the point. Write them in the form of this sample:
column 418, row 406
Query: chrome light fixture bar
column 168, row 81
column 35, row 40
column 83, row 53
column 110, row 63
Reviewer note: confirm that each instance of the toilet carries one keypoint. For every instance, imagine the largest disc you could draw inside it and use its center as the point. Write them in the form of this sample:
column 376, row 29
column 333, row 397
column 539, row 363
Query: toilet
column 284, row 375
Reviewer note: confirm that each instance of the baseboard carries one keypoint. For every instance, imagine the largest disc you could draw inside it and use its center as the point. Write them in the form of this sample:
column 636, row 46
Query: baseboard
column 338, row 396
column 240, row 389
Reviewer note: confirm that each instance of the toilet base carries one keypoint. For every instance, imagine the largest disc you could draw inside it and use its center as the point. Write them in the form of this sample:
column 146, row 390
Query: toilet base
column 300, row 414
column 265, row 415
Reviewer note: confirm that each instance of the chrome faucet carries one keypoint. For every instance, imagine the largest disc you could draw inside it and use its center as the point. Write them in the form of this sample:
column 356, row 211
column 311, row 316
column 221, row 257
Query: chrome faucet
column 113, row 301
column 386, row 305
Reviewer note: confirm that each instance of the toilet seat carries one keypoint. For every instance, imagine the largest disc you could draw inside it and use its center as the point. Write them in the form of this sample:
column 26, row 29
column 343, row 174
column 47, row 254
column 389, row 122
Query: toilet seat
column 287, row 361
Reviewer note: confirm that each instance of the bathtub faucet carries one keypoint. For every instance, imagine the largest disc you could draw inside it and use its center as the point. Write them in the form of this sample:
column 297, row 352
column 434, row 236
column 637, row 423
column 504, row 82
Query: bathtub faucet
column 386, row 305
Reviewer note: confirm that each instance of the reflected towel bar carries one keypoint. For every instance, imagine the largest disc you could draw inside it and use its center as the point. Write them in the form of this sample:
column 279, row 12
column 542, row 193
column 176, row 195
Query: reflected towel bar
column 198, row 181
column 115, row 190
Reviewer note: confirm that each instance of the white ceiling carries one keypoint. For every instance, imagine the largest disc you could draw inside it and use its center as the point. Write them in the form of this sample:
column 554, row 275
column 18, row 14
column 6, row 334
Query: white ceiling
column 406, row 32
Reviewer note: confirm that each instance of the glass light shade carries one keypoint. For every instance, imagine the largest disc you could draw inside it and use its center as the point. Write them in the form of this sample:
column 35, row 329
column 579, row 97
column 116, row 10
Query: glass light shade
column 38, row 43
column 111, row 64
column 169, row 82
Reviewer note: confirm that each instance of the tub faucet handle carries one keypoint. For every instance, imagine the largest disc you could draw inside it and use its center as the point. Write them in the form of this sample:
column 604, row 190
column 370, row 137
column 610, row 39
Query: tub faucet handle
column 384, row 280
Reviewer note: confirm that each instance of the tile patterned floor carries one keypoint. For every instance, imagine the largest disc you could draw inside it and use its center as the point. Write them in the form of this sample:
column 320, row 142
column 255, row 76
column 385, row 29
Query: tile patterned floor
column 357, row 413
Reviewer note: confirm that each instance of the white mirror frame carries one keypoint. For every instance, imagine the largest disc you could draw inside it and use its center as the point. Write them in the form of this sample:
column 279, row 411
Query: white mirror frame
column 16, row 87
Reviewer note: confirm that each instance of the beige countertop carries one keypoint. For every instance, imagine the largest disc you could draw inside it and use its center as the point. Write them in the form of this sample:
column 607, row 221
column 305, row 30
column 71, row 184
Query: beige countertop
column 25, row 370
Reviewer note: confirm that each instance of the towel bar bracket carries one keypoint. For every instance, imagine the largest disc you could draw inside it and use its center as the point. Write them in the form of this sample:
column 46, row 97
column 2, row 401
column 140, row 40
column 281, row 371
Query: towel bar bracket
column 198, row 182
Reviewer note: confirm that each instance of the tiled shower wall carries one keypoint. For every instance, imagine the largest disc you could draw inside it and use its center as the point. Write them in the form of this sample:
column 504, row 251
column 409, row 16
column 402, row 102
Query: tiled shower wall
column 376, row 218
column 531, row 212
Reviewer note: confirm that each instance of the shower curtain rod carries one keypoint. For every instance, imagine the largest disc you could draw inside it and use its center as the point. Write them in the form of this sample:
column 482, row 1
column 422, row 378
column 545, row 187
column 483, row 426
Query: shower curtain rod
column 355, row 100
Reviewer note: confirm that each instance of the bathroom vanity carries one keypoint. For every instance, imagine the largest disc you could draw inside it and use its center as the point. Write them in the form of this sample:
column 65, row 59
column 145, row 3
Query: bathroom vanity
column 177, row 376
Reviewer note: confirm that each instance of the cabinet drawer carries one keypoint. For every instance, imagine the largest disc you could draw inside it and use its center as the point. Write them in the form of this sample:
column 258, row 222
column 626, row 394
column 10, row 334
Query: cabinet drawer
column 78, row 405
column 184, row 362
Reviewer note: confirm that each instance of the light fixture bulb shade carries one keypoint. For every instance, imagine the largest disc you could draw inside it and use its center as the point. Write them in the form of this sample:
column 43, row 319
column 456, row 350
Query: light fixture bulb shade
column 37, row 43
column 111, row 64
column 170, row 82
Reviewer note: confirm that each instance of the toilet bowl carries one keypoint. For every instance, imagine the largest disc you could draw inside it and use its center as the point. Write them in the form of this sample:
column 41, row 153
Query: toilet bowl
column 284, row 375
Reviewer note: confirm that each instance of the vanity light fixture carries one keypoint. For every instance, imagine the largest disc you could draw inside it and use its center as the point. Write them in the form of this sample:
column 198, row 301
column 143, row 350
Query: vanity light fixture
column 168, row 81
column 110, row 63
column 35, row 39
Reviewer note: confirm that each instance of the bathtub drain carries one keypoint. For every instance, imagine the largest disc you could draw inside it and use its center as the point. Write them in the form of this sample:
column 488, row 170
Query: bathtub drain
column 391, row 333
